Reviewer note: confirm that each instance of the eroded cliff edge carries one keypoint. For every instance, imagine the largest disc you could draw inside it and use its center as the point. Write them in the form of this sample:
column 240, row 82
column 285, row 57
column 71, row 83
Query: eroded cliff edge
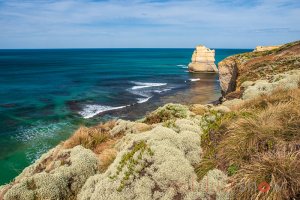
column 246, row 148
column 252, row 66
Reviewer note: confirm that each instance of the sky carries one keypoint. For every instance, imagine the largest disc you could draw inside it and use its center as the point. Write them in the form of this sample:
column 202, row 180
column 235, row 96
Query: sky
column 147, row 23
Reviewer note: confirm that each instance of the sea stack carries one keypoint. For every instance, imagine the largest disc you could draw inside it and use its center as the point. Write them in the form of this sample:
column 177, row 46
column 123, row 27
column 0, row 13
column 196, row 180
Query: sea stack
column 203, row 60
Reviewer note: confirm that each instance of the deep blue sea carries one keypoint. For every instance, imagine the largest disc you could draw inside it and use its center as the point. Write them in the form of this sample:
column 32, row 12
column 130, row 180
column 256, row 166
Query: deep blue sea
column 47, row 93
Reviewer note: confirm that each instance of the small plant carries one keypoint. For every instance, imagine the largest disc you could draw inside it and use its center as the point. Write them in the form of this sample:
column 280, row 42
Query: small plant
column 130, row 160
column 232, row 169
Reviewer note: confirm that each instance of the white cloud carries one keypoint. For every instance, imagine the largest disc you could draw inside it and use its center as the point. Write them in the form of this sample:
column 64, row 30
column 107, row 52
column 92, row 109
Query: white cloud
column 138, row 23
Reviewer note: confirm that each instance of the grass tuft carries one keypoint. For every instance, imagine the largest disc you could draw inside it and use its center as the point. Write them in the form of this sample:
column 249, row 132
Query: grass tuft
column 91, row 137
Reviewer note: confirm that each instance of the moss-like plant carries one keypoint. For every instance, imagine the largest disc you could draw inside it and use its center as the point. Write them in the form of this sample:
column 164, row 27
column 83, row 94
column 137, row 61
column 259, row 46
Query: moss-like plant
column 169, row 123
column 130, row 162
column 167, row 112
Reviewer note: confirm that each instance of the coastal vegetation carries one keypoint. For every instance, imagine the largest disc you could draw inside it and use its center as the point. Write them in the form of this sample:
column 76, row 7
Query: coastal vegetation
column 246, row 147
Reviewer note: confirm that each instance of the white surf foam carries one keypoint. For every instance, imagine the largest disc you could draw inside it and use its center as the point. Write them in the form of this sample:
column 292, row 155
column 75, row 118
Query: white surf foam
column 143, row 100
column 38, row 137
column 140, row 85
column 92, row 110
column 160, row 91
column 194, row 79
column 182, row 66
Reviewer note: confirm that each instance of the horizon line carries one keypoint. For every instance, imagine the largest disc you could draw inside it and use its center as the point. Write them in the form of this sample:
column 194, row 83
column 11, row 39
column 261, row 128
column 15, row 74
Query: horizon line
column 58, row 48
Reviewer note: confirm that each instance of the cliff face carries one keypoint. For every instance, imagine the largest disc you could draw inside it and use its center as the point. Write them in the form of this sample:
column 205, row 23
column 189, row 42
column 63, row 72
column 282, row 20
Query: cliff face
column 203, row 60
column 266, row 48
column 235, row 70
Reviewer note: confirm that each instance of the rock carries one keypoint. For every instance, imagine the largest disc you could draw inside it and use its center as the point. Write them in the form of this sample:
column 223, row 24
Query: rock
column 58, row 174
column 228, row 72
column 266, row 48
column 203, row 60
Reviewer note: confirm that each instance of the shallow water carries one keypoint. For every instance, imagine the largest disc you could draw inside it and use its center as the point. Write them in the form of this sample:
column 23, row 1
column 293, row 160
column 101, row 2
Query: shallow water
column 46, row 94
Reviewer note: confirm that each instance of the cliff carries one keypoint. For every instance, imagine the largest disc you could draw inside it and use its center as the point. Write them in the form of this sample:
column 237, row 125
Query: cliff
column 245, row 148
column 266, row 48
column 252, row 66
column 203, row 60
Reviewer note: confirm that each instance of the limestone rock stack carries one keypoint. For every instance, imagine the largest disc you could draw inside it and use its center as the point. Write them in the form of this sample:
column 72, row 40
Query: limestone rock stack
column 203, row 60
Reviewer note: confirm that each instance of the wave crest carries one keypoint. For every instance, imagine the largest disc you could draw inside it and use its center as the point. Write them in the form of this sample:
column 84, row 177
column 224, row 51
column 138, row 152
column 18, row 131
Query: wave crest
column 92, row 110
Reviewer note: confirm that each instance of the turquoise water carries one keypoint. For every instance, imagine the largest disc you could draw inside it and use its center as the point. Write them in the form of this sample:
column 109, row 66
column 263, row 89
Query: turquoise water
column 46, row 94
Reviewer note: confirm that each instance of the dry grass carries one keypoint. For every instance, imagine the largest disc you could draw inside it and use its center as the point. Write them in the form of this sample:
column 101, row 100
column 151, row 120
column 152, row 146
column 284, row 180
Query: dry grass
column 98, row 140
column 259, row 141
column 87, row 137
column 278, row 96
column 204, row 166
column 281, row 170
column 90, row 137
column 106, row 157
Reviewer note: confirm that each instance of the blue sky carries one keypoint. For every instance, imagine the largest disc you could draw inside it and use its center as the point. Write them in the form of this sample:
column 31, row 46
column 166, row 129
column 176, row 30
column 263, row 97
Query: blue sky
column 147, row 23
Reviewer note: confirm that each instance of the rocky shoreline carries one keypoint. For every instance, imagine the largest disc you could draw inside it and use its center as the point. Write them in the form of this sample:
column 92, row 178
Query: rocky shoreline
column 188, row 151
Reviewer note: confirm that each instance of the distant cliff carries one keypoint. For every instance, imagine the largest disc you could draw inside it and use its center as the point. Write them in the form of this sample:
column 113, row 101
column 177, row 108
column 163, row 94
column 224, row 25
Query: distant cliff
column 266, row 48
column 203, row 60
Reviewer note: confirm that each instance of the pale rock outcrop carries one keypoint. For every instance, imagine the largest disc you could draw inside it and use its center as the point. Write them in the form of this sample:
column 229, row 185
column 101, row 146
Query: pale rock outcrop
column 228, row 72
column 58, row 174
column 266, row 48
column 203, row 60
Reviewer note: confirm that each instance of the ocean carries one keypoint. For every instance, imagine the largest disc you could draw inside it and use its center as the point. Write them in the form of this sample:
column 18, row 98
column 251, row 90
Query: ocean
column 46, row 94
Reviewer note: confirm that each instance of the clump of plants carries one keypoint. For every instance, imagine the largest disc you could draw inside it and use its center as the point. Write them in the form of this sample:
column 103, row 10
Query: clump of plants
column 165, row 113
column 90, row 137
column 213, row 125
column 272, row 175
column 256, row 143
column 127, row 167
